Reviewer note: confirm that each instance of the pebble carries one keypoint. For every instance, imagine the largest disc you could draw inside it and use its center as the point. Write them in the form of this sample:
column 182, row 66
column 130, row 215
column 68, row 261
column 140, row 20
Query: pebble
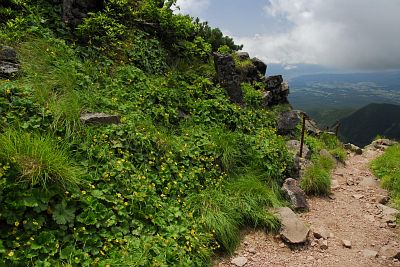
column 367, row 253
column 239, row 261
column 346, row 243
column 323, row 244
column 358, row 196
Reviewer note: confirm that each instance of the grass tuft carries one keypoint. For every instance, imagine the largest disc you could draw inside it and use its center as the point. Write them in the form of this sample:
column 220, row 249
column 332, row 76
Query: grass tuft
column 38, row 159
column 243, row 201
column 387, row 168
column 316, row 179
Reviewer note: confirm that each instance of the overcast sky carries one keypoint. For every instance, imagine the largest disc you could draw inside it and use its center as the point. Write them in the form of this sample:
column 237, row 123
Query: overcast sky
column 346, row 34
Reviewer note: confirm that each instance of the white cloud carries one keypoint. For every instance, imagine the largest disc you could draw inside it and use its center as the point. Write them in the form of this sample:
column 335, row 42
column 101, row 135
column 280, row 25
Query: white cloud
column 342, row 33
column 192, row 7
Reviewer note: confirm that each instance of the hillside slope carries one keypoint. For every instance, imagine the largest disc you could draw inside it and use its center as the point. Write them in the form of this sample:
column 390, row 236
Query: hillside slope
column 362, row 126
column 189, row 156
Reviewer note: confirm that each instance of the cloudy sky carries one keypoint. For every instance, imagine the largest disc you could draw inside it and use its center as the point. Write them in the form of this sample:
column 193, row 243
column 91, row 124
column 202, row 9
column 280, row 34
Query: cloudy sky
column 343, row 34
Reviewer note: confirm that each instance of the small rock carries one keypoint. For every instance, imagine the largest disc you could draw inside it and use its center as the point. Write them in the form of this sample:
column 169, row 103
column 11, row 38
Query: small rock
column 335, row 184
column 358, row 196
column 282, row 245
column 346, row 243
column 389, row 214
column 382, row 199
column 99, row 118
column 350, row 181
column 331, row 235
column 368, row 182
column 239, row 261
column 367, row 253
column 320, row 233
column 392, row 224
column 323, row 244
column 252, row 250
column 389, row 251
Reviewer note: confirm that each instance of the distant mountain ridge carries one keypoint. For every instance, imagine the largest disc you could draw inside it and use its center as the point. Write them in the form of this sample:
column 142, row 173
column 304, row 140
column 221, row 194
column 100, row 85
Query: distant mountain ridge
column 362, row 126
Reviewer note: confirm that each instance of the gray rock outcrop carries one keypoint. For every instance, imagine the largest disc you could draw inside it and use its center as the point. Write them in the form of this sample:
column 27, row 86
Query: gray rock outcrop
column 230, row 75
column 293, row 230
column 74, row 11
column 294, row 147
column 353, row 148
column 287, row 122
column 295, row 194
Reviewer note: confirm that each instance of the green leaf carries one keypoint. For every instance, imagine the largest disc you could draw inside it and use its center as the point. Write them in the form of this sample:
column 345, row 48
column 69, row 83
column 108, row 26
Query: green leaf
column 62, row 214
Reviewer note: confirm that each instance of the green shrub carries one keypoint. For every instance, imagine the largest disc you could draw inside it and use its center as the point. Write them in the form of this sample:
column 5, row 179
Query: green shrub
column 252, row 97
column 387, row 168
column 37, row 159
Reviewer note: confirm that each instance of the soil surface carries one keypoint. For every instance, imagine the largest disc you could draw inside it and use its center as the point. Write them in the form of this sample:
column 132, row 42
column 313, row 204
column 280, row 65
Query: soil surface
column 350, row 213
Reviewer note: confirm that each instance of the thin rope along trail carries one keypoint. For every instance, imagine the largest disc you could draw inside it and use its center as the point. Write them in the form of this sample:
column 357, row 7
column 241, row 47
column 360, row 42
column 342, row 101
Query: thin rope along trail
column 354, row 225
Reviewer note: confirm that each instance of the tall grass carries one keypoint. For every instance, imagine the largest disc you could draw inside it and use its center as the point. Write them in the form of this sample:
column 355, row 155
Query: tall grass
column 38, row 159
column 242, row 202
column 317, row 179
column 51, row 69
column 387, row 168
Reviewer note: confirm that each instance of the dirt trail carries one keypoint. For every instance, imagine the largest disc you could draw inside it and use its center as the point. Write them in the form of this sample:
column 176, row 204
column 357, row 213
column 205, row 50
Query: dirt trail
column 351, row 213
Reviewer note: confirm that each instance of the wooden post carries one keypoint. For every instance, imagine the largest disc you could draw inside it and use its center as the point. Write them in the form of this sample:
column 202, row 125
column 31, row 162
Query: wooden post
column 303, row 129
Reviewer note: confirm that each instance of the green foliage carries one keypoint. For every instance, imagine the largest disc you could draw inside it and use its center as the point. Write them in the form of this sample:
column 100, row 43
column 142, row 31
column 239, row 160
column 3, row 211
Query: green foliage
column 387, row 168
column 241, row 64
column 215, row 37
column 181, row 142
column 328, row 142
column 100, row 29
column 252, row 97
column 316, row 179
column 224, row 49
column 37, row 159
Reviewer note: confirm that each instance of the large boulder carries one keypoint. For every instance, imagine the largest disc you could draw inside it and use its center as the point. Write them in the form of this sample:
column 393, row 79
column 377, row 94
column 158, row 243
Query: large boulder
column 272, row 82
column 260, row 65
column 293, row 230
column 228, row 77
column 74, row 11
column 287, row 122
column 295, row 194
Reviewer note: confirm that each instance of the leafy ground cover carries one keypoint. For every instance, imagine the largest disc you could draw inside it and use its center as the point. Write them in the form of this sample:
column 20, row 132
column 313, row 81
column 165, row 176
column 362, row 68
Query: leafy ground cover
column 171, row 184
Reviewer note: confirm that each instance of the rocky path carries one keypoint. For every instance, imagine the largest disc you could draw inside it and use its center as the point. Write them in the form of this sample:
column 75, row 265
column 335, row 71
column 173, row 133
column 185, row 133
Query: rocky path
column 351, row 215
